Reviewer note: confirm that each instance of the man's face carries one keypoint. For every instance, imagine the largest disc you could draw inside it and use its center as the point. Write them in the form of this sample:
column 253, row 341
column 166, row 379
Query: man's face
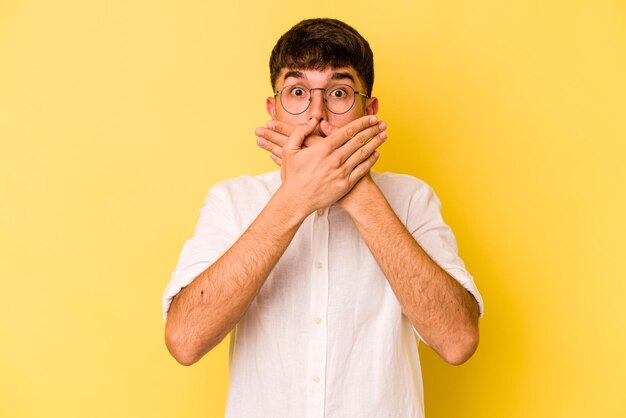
column 313, row 79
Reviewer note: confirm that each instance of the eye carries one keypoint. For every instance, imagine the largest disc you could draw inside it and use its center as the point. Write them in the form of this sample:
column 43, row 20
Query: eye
column 338, row 93
column 297, row 91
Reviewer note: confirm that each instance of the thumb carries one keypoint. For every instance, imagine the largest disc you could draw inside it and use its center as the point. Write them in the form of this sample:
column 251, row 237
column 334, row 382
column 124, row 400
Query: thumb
column 326, row 127
column 297, row 137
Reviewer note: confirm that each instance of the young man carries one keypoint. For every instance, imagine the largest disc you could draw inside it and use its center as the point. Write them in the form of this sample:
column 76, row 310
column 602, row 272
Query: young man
column 322, row 273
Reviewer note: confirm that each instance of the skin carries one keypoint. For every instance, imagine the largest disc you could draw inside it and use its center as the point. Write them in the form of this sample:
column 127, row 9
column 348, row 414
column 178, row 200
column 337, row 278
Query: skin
column 325, row 159
column 313, row 177
column 440, row 309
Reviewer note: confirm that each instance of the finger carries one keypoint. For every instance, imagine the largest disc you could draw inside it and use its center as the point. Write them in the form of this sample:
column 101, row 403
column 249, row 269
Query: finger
column 280, row 127
column 363, row 168
column 269, row 146
column 342, row 135
column 272, row 136
column 299, row 134
column 361, row 139
column 364, row 152
column 277, row 160
column 326, row 127
column 273, row 141
column 311, row 140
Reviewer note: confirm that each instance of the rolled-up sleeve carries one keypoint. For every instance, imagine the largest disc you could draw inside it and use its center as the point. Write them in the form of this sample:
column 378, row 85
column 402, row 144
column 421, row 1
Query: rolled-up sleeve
column 214, row 235
column 425, row 223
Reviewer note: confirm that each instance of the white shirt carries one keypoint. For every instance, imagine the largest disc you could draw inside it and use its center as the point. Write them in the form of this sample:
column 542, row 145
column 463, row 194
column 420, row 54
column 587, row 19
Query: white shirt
column 325, row 336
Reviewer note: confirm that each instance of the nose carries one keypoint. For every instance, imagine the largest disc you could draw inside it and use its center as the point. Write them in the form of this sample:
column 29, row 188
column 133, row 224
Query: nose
column 317, row 108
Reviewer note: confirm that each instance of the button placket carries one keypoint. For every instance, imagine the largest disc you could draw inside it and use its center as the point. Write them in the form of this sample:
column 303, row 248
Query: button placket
column 316, row 372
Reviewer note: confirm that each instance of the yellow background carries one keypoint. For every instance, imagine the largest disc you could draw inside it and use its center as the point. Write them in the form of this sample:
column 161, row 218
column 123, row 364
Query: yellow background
column 117, row 116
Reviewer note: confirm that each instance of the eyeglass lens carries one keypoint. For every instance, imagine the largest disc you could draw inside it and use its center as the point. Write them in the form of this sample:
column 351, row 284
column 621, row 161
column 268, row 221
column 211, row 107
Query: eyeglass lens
column 296, row 99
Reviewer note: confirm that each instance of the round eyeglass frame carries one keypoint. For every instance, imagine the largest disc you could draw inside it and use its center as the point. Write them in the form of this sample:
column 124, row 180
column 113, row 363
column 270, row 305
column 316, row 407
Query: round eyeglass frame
column 278, row 93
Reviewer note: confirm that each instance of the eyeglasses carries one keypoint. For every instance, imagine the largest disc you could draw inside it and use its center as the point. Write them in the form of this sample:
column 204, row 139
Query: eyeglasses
column 339, row 98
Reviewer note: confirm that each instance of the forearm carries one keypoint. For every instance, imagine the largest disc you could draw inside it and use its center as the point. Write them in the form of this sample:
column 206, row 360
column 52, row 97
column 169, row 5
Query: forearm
column 439, row 307
column 204, row 312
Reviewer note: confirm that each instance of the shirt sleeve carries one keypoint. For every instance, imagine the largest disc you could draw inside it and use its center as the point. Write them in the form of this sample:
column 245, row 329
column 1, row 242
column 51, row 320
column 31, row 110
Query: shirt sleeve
column 425, row 223
column 214, row 235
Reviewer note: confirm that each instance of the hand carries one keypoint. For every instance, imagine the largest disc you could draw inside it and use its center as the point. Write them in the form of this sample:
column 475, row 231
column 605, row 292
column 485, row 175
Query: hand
column 273, row 137
column 275, row 134
column 321, row 170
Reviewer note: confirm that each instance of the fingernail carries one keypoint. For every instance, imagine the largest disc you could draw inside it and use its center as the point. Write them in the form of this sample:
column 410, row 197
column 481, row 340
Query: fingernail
column 259, row 131
column 383, row 135
column 270, row 124
column 260, row 142
column 373, row 119
column 376, row 154
column 382, row 125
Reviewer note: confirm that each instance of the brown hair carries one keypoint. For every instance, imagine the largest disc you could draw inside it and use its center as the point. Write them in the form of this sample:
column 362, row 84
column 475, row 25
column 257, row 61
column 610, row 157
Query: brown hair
column 316, row 44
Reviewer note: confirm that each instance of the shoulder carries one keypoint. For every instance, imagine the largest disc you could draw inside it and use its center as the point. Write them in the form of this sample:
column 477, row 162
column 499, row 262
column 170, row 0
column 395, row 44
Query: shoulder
column 247, row 187
column 241, row 199
column 269, row 181
column 412, row 199
column 400, row 186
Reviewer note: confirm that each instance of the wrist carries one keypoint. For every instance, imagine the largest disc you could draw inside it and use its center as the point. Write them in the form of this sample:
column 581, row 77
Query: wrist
column 290, row 207
column 362, row 196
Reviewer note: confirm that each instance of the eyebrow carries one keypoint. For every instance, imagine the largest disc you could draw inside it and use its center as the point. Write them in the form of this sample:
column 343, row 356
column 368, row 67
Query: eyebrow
column 334, row 76
column 342, row 76
column 294, row 74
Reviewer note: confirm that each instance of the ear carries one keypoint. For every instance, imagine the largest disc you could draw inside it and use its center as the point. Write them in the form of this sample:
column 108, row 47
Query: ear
column 270, row 106
column 371, row 107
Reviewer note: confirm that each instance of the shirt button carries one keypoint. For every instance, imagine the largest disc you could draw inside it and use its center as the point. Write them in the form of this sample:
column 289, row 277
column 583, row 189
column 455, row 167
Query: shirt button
column 320, row 212
column 317, row 320
column 318, row 265
column 316, row 379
